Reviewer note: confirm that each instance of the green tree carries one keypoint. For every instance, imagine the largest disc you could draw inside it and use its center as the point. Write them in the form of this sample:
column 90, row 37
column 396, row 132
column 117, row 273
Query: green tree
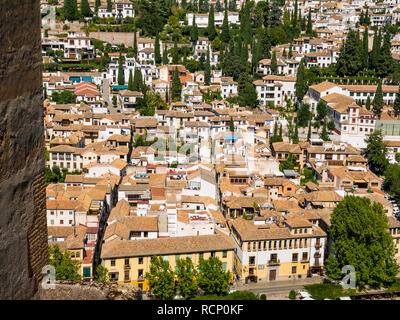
column 213, row 279
column 331, row 125
column 109, row 6
column 309, row 23
column 324, row 134
column 292, row 295
column 211, row 24
column 289, row 163
column 295, row 138
column 130, row 81
column 274, row 64
column 101, row 274
column 303, row 115
column 138, row 81
column 85, row 9
column 392, row 179
column 309, row 131
column 301, row 82
column 225, row 34
column 194, row 32
column 121, row 76
column 332, row 268
column 368, row 104
column 207, row 70
column 231, row 125
column 376, row 152
column 350, row 57
column 157, row 52
column 175, row 53
column 385, row 61
column 378, row 103
column 165, row 56
column 114, row 101
column 187, row 278
column 365, row 52
column 322, row 110
column 135, row 47
column 66, row 268
column 176, row 86
column 361, row 238
column 161, row 278
column 376, row 49
column 97, row 5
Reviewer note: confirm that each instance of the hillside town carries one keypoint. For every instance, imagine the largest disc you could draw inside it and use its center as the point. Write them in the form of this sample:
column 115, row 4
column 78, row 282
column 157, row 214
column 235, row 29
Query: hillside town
column 238, row 130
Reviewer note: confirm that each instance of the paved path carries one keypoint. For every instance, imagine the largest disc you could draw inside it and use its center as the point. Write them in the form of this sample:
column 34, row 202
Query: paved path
column 277, row 286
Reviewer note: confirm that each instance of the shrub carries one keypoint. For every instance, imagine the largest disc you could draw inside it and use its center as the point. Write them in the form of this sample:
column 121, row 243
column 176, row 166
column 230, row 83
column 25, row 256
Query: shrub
column 292, row 295
column 263, row 297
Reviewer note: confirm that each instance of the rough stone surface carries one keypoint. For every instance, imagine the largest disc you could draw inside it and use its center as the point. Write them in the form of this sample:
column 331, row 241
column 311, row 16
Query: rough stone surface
column 83, row 290
column 23, row 233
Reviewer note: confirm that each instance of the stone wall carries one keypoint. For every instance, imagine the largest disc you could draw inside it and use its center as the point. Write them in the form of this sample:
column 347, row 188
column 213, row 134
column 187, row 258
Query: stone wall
column 83, row 290
column 23, row 232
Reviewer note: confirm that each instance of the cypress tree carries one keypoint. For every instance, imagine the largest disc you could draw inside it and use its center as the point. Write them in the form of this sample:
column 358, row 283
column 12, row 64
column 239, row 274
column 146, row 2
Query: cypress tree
column 274, row 64
column 365, row 49
column 121, row 76
column 385, row 61
column 175, row 53
column 377, row 103
column 165, row 59
column 97, row 5
column 157, row 53
column 135, row 48
column 218, row 6
column 396, row 104
column 207, row 70
column 194, row 32
column 301, row 83
column 245, row 23
column 376, row 48
column 280, row 131
column 309, row 23
column 295, row 138
column 176, row 87
column 130, row 81
column 225, row 36
column 232, row 5
column 138, row 81
column 109, row 6
column 324, row 133
column 290, row 51
column 68, row 10
column 294, row 22
column 85, row 9
column 368, row 104
column 211, row 24
column 284, row 53
column 309, row 131
column 361, row 18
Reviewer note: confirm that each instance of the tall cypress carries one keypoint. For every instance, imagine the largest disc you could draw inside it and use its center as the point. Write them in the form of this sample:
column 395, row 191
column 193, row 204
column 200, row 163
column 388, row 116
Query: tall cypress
column 294, row 22
column 211, row 24
column 109, row 6
column 175, row 53
column 385, row 61
column 324, row 134
column 309, row 23
column 368, row 104
column 135, row 47
column 376, row 48
column 274, row 64
column 365, row 49
column 176, row 86
column 85, row 9
column 377, row 103
column 194, row 32
column 218, row 6
column 121, row 76
column 157, row 53
column 97, row 5
column 130, row 81
column 138, row 80
column 309, row 131
column 225, row 35
column 301, row 82
column 207, row 70
column 165, row 59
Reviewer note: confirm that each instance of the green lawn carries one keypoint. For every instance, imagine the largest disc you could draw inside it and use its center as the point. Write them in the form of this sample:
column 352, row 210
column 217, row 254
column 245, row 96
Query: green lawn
column 321, row 291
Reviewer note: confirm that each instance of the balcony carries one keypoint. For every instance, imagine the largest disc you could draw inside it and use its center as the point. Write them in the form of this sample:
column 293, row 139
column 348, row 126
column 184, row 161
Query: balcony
column 274, row 262
column 306, row 260
column 127, row 267
column 318, row 245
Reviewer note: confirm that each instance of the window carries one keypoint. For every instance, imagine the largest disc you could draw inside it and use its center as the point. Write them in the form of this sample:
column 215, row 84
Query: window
column 127, row 262
column 201, row 255
column 77, row 254
column 224, row 266
column 212, row 254
column 126, row 275
column 294, row 269
column 61, row 221
column 224, row 254
column 165, row 258
column 305, row 256
column 140, row 260
column 177, row 257
column 294, row 257
column 113, row 263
